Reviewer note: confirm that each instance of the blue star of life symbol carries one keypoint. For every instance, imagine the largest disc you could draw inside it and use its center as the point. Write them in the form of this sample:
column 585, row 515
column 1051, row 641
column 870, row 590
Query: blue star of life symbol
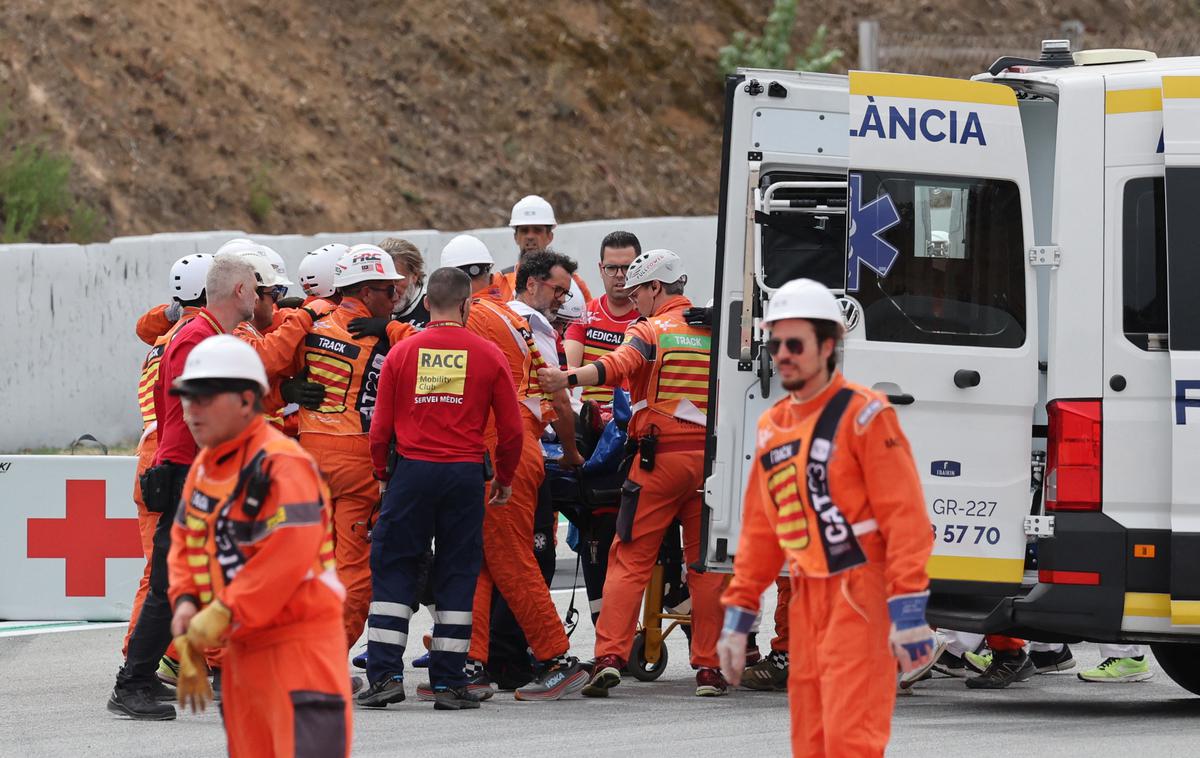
column 867, row 222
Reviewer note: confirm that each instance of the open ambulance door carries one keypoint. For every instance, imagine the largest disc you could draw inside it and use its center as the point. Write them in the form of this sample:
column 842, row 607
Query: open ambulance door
column 782, row 216
column 940, row 301
column 1181, row 152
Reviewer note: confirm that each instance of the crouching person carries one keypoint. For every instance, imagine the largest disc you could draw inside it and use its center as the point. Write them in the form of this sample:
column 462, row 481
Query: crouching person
column 251, row 569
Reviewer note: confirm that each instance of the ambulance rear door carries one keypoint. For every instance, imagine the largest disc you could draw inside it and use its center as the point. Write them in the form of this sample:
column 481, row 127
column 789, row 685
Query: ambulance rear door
column 1181, row 152
column 941, row 305
column 782, row 216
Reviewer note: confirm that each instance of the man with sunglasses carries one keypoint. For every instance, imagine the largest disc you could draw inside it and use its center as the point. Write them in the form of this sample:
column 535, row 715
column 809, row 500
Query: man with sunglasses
column 334, row 430
column 665, row 361
column 834, row 494
column 251, row 568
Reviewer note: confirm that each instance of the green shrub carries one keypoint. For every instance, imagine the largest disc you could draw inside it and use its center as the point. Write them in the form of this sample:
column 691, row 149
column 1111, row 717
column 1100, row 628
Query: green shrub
column 262, row 196
column 34, row 186
column 773, row 49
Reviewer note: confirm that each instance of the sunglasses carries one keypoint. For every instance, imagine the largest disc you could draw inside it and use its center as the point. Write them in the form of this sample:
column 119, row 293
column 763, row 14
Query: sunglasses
column 389, row 290
column 795, row 345
column 611, row 269
column 275, row 293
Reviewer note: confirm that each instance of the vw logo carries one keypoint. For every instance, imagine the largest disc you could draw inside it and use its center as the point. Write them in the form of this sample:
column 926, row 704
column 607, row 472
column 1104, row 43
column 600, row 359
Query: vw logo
column 851, row 312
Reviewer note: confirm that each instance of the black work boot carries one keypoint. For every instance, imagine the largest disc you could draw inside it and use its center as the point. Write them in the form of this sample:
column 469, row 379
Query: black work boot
column 387, row 690
column 454, row 699
column 1005, row 668
column 139, row 704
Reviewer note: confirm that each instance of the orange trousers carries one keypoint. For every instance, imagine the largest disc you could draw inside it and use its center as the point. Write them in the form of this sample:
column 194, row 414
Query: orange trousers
column 509, row 565
column 842, row 677
column 345, row 462
column 669, row 492
column 288, row 698
column 781, row 639
column 999, row 643
column 147, row 521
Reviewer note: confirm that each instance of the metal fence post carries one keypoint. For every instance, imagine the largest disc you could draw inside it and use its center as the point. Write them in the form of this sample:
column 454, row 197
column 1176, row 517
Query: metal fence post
column 868, row 45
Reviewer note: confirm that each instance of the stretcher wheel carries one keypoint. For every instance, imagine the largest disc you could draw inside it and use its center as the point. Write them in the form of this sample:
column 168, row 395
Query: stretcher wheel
column 643, row 670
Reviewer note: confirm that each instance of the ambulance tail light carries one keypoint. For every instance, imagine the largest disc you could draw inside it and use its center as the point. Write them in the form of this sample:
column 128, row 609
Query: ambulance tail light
column 1073, row 455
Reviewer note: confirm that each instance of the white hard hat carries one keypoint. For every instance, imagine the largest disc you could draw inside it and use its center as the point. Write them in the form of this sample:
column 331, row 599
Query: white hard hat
column 281, row 277
column 364, row 263
column 804, row 298
column 466, row 250
column 256, row 256
column 573, row 307
column 221, row 356
column 654, row 266
column 234, row 245
column 187, row 276
column 532, row 210
column 316, row 270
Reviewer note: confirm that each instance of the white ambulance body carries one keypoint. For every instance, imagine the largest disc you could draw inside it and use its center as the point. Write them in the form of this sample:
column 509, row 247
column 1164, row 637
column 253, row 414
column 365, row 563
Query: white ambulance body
column 1018, row 260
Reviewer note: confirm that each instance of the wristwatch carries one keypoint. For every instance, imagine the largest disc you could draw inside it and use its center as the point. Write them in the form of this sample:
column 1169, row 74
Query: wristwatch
column 572, row 380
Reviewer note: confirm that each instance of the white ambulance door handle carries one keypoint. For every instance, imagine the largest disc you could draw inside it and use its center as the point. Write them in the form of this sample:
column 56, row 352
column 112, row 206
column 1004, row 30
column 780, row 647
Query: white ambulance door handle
column 965, row 378
column 895, row 395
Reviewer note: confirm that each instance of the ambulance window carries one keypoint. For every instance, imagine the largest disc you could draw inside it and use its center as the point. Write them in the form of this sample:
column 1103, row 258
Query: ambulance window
column 1144, row 261
column 958, row 274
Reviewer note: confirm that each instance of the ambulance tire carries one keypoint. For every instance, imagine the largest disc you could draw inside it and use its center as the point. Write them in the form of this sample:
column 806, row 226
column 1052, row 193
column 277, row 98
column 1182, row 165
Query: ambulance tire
column 643, row 670
column 1181, row 661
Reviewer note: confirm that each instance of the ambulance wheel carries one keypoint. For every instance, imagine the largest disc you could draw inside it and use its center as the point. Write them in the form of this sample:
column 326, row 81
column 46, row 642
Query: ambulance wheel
column 643, row 670
column 1181, row 661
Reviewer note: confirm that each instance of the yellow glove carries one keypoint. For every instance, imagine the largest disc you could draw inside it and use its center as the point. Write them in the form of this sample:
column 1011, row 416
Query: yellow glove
column 192, row 686
column 207, row 628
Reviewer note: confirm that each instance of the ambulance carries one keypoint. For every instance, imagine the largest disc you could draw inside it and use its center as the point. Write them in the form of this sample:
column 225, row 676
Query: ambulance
column 1017, row 258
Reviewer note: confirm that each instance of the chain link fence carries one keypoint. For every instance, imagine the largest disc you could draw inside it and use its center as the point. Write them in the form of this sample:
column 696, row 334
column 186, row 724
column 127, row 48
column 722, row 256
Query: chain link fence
column 961, row 56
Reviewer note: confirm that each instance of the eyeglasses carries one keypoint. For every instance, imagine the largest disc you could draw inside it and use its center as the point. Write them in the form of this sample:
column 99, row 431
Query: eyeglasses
column 558, row 291
column 611, row 269
column 795, row 345
column 389, row 290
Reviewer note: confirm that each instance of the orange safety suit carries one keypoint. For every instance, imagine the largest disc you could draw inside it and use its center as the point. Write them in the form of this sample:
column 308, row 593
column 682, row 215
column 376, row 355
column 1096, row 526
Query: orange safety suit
column 509, row 564
column 868, row 539
column 284, row 675
column 147, row 447
column 336, row 435
column 665, row 363
column 154, row 323
column 277, row 412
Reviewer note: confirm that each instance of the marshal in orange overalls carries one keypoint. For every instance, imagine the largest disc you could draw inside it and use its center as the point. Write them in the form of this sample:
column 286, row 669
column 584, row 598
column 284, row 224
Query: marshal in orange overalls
column 509, row 564
column 284, row 677
column 842, row 673
column 665, row 363
column 336, row 436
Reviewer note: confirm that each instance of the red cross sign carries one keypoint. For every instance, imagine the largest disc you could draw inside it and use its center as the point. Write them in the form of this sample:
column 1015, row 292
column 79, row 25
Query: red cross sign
column 85, row 538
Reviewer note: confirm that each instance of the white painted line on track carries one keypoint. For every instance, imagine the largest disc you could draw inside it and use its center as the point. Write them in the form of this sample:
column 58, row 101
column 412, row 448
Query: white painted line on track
column 22, row 628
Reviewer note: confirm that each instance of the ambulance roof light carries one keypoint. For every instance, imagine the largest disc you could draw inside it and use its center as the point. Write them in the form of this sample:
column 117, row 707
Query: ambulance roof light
column 1056, row 52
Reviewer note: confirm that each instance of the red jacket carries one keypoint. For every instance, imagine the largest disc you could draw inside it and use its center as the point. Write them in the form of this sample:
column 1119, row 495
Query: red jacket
column 175, row 441
column 436, row 391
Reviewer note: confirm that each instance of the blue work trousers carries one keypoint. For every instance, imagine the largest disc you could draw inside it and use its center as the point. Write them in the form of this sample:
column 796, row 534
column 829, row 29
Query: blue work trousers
column 423, row 501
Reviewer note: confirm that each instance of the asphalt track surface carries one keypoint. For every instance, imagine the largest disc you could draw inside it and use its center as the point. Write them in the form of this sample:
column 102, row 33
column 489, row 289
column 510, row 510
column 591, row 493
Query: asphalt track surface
column 53, row 689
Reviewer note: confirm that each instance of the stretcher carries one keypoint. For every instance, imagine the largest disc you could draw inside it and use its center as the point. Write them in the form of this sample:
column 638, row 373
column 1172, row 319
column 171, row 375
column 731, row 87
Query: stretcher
column 577, row 494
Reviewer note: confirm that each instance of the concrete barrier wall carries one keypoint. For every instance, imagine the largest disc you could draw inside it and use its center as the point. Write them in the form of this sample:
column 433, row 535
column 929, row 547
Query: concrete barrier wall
column 71, row 357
